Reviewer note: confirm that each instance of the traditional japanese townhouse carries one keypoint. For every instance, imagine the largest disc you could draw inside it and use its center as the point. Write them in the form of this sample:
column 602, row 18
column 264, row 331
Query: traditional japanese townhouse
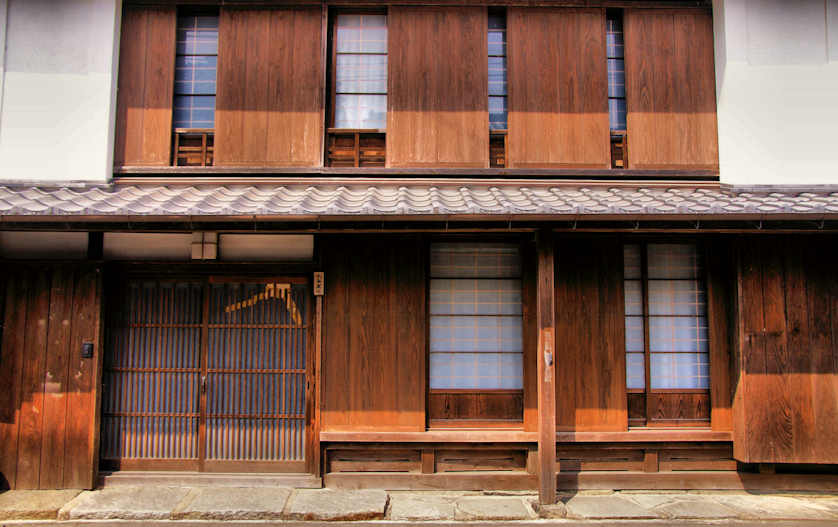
column 437, row 245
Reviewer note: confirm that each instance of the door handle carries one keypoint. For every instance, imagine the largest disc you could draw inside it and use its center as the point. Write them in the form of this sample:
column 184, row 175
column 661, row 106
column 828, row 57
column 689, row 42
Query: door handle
column 203, row 384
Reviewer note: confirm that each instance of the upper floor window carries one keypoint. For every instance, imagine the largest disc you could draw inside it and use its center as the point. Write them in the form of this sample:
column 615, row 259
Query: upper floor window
column 497, row 71
column 195, row 67
column 615, row 51
column 360, row 71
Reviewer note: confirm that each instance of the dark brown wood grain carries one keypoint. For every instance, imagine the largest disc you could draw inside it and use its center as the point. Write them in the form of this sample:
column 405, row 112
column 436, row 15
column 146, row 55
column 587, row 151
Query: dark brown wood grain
column 484, row 406
column 678, row 409
column 590, row 360
column 670, row 89
column 547, row 365
column 374, row 349
column 270, row 92
column 437, row 110
column 721, row 297
column 786, row 409
column 145, row 87
column 558, row 98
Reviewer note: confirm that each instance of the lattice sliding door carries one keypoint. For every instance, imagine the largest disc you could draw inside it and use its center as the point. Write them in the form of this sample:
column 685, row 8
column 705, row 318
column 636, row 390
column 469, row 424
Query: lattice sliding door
column 152, row 375
column 256, row 375
column 206, row 376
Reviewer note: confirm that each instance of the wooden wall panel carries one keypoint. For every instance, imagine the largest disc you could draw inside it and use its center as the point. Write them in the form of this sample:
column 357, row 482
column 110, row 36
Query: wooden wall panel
column 270, row 88
column 48, row 422
column 145, row 86
column 374, row 351
column 786, row 407
column 670, row 89
column 721, row 297
column 590, row 335
column 437, row 110
column 558, row 89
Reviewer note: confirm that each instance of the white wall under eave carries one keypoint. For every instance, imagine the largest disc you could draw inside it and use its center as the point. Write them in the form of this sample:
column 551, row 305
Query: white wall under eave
column 59, row 90
column 777, row 89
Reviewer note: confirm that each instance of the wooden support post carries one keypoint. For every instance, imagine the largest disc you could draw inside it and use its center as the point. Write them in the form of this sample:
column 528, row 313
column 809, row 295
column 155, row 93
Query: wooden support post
column 546, row 371
column 428, row 461
column 317, row 467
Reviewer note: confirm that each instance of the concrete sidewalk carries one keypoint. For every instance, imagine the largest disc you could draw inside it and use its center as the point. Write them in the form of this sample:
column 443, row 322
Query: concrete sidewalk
column 185, row 505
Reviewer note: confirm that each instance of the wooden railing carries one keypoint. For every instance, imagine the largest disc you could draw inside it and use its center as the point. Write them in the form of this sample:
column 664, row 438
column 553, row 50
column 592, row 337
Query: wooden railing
column 497, row 148
column 193, row 147
column 619, row 149
column 355, row 148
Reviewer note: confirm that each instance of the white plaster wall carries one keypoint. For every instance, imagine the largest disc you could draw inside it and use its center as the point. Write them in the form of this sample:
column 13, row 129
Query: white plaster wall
column 777, row 89
column 59, row 90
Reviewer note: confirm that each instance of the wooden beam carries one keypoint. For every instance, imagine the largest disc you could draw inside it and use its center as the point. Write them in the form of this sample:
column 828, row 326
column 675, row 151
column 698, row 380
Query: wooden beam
column 546, row 371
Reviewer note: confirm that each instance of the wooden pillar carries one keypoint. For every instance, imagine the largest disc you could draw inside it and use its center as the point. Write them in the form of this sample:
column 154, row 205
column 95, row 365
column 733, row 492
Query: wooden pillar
column 546, row 314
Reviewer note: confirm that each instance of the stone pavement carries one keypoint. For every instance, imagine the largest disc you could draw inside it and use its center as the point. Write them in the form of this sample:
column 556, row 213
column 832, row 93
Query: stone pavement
column 181, row 505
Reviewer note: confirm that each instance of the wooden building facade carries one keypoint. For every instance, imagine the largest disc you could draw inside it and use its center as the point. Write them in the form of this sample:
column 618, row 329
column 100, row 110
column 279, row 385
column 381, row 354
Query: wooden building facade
column 474, row 265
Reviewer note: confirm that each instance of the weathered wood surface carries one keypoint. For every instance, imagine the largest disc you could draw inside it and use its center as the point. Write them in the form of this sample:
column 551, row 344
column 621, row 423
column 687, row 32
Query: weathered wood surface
column 437, row 109
column 48, row 419
column 374, row 350
column 590, row 333
column 670, row 89
column 145, row 87
column 546, row 359
column 786, row 406
column 558, row 89
column 270, row 88
column 720, row 263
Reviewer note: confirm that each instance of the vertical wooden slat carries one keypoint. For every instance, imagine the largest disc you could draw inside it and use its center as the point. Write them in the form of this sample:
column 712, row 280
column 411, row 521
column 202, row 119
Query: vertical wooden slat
column 30, row 426
column 55, row 379
column 670, row 89
column 720, row 296
column 437, row 111
column 558, row 90
column 12, row 358
column 146, row 85
column 546, row 312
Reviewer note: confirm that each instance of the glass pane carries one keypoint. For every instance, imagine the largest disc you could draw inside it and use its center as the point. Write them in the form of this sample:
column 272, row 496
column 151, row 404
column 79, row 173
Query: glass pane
column 676, row 297
column 680, row 370
column 497, row 75
column 631, row 262
column 361, row 111
column 635, row 371
column 467, row 296
column 614, row 37
column 476, row 371
column 634, row 334
column 616, row 78
column 617, row 114
column 197, row 35
column 478, row 334
column 633, row 297
column 672, row 260
column 497, row 21
column 195, row 75
column 192, row 111
column 475, row 260
column 362, row 34
column 497, row 43
column 361, row 74
column 678, row 334
column 497, row 113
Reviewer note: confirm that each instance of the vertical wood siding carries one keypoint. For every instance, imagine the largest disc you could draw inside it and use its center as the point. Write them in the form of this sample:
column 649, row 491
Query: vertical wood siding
column 438, row 82
column 590, row 336
column 48, row 414
column 786, row 407
column 670, row 89
column 270, row 88
column 558, row 88
column 145, row 87
column 374, row 373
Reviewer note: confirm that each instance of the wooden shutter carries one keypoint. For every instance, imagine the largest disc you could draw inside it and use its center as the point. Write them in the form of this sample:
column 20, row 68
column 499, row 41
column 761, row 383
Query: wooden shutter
column 590, row 362
column 558, row 88
column 670, row 89
column 145, row 88
column 270, row 90
column 438, row 89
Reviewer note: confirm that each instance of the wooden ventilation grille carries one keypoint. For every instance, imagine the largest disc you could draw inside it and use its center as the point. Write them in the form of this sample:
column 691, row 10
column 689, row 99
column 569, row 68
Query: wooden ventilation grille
column 497, row 149
column 193, row 147
column 354, row 148
column 195, row 384
column 619, row 149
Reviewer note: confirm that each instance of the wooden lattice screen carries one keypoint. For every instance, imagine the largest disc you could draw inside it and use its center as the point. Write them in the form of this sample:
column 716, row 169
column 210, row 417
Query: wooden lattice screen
column 206, row 376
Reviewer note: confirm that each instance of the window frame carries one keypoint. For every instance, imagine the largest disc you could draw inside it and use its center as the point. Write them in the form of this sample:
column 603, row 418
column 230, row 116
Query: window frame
column 647, row 421
column 618, row 137
column 519, row 423
column 498, row 136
